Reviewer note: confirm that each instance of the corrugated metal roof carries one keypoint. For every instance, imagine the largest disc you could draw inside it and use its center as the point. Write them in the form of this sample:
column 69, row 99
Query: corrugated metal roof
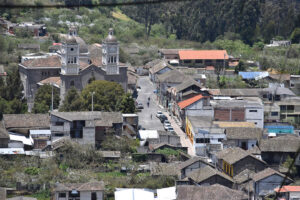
column 253, row 75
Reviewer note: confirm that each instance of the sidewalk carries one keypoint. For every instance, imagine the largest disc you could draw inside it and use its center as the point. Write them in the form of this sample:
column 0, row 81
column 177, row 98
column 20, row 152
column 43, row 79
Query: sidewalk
column 184, row 140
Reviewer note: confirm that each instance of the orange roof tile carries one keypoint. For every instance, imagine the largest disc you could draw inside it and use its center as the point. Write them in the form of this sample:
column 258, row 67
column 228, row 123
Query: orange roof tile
column 187, row 102
column 288, row 188
column 203, row 54
column 211, row 68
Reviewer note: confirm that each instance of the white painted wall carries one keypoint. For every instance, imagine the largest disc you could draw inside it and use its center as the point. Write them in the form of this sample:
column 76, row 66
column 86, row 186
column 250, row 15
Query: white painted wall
column 294, row 195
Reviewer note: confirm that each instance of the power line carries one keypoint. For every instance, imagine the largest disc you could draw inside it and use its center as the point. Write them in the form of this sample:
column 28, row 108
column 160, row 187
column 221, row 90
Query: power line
column 102, row 4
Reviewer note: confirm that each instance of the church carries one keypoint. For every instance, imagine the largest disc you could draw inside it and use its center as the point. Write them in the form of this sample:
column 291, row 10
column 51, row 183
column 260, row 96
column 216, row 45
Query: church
column 74, row 64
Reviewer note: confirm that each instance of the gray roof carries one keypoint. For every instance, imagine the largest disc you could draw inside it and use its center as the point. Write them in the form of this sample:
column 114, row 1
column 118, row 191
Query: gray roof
column 205, row 123
column 90, row 186
column 169, row 51
column 202, row 174
column 192, row 161
column 26, row 121
column 254, row 151
column 243, row 176
column 101, row 118
column 236, row 92
column 187, row 83
column 172, row 76
column 165, row 169
column 159, row 66
column 243, row 133
column 233, row 155
column 279, row 91
column 266, row 173
column 21, row 198
column 234, row 103
column 286, row 143
column 212, row 192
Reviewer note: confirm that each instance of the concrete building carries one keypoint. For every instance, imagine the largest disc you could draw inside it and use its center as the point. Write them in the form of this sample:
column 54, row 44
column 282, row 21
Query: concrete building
column 79, row 191
column 264, row 182
column 232, row 161
column 159, row 68
column 204, row 135
column 245, row 138
column 85, row 127
column 73, row 66
column 247, row 109
column 202, row 58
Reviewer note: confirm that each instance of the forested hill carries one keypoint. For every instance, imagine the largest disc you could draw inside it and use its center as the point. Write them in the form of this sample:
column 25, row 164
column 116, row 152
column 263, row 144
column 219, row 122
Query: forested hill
column 204, row 20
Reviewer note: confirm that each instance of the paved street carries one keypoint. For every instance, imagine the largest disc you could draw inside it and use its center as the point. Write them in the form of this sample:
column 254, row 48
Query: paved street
column 145, row 116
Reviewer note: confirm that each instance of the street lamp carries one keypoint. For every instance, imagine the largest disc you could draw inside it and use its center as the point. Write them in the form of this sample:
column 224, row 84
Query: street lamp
column 92, row 100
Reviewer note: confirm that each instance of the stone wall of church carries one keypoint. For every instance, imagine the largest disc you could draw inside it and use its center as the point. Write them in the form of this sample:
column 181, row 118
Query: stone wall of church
column 120, row 78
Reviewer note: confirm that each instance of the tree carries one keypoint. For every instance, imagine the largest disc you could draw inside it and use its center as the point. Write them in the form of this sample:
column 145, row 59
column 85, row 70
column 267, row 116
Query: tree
column 72, row 102
column 126, row 104
column 43, row 98
column 289, row 164
column 106, row 95
column 295, row 37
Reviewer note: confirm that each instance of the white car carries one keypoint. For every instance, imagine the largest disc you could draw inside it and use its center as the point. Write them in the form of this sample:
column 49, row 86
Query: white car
column 159, row 113
column 167, row 126
column 167, row 122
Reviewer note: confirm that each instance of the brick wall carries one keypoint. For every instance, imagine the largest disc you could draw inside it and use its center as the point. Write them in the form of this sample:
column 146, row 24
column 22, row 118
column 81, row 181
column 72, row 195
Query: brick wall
column 238, row 115
column 222, row 114
column 229, row 115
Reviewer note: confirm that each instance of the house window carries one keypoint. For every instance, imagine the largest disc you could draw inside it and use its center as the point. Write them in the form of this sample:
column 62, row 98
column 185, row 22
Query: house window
column 198, row 61
column 187, row 61
column 62, row 195
column 58, row 134
column 274, row 113
column 59, row 123
column 202, row 140
column 292, row 85
column 75, row 60
column 252, row 110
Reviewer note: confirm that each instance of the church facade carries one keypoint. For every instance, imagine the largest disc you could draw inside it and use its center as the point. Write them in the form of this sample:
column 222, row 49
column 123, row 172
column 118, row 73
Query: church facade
column 73, row 66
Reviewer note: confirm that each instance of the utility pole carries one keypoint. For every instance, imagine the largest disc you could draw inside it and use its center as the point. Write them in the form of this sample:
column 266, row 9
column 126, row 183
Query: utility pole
column 92, row 100
column 52, row 98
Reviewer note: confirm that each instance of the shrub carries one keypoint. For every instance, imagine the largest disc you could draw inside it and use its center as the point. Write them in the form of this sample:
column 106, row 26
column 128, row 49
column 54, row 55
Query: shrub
column 32, row 170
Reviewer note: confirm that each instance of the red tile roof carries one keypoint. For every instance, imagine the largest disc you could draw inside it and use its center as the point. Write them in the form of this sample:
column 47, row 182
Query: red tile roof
column 187, row 102
column 203, row 54
column 211, row 68
column 288, row 188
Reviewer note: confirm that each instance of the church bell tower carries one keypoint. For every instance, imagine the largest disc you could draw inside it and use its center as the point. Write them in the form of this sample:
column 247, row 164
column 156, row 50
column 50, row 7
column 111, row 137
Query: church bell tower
column 110, row 53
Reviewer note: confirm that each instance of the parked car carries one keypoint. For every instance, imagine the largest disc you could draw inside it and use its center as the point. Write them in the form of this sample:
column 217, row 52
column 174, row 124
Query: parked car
column 163, row 118
column 167, row 126
column 171, row 130
column 159, row 113
column 139, row 106
column 167, row 122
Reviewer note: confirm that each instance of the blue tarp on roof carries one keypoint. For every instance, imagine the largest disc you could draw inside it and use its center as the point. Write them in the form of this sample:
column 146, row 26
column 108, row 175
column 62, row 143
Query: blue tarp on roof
column 280, row 129
column 253, row 75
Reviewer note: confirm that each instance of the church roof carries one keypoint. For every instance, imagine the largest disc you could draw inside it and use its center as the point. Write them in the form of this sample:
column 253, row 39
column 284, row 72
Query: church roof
column 55, row 80
column 110, row 38
column 70, row 40
column 51, row 61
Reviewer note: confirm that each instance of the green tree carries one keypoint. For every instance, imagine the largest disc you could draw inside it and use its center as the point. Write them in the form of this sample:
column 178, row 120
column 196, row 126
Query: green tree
column 106, row 95
column 72, row 101
column 289, row 164
column 295, row 37
column 126, row 104
column 43, row 98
